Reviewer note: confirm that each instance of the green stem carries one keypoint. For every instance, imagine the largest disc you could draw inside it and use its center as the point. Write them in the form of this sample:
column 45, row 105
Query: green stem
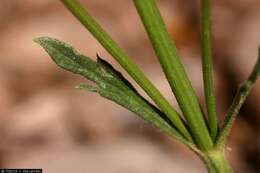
column 216, row 162
column 240, row 97
column 174, row 71
column 122, row 58
column 207, row 67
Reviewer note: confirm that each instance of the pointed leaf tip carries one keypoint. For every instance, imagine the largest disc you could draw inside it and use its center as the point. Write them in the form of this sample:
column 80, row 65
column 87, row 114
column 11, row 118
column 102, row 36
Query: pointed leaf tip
column 61, row 53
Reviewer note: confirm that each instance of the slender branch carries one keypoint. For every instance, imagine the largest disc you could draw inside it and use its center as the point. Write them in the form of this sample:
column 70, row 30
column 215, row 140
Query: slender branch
column 240, row 97
column 122, row 58
column 174, row 70
column 207, row 67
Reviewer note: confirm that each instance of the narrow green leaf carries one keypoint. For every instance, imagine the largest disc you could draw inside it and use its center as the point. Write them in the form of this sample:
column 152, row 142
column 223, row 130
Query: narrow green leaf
column 239, row 99
column 174, row 70
column 207, row 67
column 122, row 58
column 110, row 84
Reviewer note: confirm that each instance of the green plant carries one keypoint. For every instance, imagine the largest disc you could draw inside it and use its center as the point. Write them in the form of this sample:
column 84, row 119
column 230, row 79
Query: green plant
column 205, row 136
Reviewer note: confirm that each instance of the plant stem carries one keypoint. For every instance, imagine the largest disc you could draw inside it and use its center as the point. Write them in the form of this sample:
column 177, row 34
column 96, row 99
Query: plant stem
column 174, row 70
column 240, row 97
column 122, row 58
column 216, row 162
column 207, row 67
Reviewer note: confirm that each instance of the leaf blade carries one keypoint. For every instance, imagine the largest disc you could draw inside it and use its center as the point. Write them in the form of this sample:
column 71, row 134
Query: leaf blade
column 110, row 84
column 207, row 67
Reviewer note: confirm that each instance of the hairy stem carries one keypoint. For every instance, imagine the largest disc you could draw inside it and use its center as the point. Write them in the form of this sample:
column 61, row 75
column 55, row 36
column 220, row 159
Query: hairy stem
column 240, row 97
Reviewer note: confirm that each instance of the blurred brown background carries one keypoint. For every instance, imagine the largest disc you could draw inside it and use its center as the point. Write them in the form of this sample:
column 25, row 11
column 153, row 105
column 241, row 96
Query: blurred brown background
column 46, row 123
